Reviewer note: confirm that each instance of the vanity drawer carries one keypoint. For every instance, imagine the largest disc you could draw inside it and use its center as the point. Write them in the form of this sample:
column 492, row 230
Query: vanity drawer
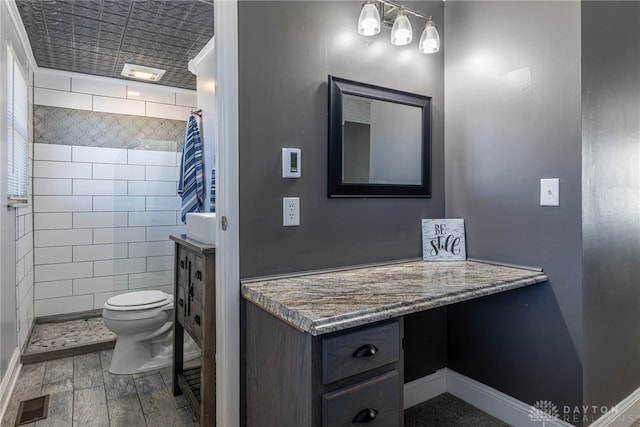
column 197, row 276
column 374, row 403
column 180, row 304
column 351, row 353
column 195, row 322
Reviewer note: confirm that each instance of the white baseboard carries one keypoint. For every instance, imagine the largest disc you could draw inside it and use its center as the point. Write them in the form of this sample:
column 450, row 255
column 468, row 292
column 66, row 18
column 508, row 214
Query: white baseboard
column 623, row 414
column 425, row 388
column 9, row 381
column 483, row 397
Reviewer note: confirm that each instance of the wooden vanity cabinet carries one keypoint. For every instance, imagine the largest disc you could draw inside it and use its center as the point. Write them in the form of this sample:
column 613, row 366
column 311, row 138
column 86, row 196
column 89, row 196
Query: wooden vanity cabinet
column 194, row 314
column 346, row 378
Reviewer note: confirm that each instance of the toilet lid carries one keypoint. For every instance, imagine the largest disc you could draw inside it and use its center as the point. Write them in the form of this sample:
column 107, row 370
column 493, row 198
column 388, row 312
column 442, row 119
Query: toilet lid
column 138, row 300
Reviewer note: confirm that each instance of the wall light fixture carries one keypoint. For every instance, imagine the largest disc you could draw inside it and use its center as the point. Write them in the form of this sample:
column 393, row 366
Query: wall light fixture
column 375, row 13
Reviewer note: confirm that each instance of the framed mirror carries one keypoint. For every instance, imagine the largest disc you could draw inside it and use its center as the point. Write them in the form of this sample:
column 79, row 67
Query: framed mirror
column 379, row 141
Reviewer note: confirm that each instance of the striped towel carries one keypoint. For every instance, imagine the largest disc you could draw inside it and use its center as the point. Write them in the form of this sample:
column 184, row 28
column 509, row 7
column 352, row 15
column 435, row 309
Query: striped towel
column 190, row 184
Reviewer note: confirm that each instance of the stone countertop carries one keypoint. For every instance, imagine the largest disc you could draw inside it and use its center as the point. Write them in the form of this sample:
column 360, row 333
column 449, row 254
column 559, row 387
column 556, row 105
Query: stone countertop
column 320, row 303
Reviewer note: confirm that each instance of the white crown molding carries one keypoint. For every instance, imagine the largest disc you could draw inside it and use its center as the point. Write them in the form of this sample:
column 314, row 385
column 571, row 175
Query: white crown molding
column 12, row 7
column 129, row 83
column 9, row 381
column 194, row 64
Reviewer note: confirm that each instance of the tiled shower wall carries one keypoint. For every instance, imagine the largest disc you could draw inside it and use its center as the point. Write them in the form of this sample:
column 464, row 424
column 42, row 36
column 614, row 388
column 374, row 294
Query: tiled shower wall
column 102, row 217
column 104, row 190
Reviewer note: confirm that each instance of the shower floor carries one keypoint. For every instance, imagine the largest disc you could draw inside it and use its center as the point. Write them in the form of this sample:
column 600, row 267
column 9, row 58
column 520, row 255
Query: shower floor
column 67, row 338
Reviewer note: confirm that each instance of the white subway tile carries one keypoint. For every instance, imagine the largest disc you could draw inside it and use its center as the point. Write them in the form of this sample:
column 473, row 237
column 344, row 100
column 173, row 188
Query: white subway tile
column 119, row 266
column 47, row 80
column 162, row 173
column 152, row 188
column 23, row 289
column 151, row 248
column 99, row 155
column 58, row 98
column 54, row 289
column 163, row 203
column 55, row 152
column 154, row 158
column 62, row 203
column 166, row 288
column 51, row 187
column 46, row 169
column 118, row 106
column 100, row 284
column 162, row 233
column 28, row 223
column 100, row 298
column 99, row 252
column 52, row 221
column 71, row 270
column 117, row 172
column 152, row 280
column 23, row 246
column 179, row 158
column 20, row 226
column 138, row 219
column 99, row 187
column 20, row 270
column 164, row 111
column 160, row 263
column 99, row 219
column 118, row 235
column 118, row 203
column 53, row 255
column 151, row 94
column 45, row 238
column 187, row 99
column 94, row 87
column 53, row 306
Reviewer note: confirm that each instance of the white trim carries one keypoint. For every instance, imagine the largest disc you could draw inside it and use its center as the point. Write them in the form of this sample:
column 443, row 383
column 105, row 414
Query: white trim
column 227, row 206
column 483, row 397
column 9, row 381
column 626, row 412
column 194, row 64
column 12, row 7
column 425, row 388
column 129, row 82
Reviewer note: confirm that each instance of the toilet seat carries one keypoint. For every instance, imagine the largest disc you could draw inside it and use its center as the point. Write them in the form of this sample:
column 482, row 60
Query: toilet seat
column 141, row 300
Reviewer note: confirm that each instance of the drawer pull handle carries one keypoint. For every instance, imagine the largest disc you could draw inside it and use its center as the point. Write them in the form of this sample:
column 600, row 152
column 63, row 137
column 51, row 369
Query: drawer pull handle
column 180, row 302
column 366, row 350
column 198, row 275
column 182, row 264
column 197, row 319
column 365, row 416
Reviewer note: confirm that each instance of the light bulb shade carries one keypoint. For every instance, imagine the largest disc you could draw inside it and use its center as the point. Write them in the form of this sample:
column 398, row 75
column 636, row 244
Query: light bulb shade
column 401, row 33
column 369, row 20
column 430, row 39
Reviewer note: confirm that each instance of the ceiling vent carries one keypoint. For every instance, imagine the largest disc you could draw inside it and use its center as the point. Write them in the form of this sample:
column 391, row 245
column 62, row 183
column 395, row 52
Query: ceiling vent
column 140, row 72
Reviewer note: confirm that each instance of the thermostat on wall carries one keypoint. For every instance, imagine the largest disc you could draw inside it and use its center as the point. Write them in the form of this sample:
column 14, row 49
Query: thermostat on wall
column 291, row 163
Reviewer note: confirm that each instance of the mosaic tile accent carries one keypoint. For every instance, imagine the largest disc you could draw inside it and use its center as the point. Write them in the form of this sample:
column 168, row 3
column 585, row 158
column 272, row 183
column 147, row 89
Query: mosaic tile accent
column 98, row 37
column 54, row 336
column 66, row 126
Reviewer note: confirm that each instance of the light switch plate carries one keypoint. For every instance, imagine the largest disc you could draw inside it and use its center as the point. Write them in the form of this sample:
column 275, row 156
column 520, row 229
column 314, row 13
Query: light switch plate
column 291, row 163
column 550, row 192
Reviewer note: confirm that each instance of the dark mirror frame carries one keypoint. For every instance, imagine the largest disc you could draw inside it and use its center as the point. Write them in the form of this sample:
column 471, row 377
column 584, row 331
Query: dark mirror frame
column 339, row 87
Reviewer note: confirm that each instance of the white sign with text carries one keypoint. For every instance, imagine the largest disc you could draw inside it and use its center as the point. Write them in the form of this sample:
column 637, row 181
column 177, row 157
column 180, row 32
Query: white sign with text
column 443, row 240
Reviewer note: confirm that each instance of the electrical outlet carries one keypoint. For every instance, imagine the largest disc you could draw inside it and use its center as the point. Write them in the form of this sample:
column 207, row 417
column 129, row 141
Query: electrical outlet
column 290, row 211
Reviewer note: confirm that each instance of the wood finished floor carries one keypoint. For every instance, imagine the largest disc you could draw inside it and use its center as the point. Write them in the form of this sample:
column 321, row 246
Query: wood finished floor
column 84, row 394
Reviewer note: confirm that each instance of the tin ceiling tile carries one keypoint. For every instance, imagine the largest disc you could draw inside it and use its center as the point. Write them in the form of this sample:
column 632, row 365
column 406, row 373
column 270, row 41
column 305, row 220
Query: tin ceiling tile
column 98, row 36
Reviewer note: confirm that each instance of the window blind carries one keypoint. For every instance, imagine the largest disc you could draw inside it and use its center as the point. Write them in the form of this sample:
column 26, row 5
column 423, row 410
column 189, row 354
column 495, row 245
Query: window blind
column 17, row 130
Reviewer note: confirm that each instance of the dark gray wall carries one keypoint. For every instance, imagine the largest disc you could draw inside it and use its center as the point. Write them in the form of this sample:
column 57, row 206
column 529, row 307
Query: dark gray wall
column 286, row 51
column 512, row 85
column 611, row 207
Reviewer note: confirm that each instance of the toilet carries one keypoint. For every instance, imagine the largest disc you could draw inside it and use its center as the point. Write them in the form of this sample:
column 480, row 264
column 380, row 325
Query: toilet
column 143, row 324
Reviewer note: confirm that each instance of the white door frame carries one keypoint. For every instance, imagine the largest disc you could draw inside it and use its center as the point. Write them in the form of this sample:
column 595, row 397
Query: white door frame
column 227, row 206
